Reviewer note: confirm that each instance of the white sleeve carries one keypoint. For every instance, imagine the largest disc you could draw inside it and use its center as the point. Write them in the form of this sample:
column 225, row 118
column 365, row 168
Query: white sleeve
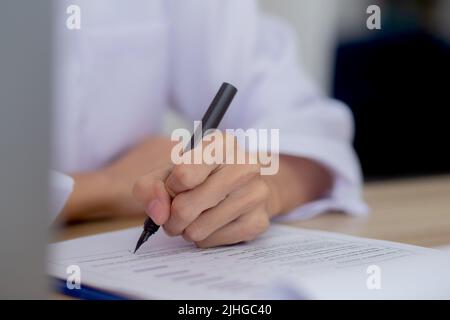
column 61, row 187
column 216, row 41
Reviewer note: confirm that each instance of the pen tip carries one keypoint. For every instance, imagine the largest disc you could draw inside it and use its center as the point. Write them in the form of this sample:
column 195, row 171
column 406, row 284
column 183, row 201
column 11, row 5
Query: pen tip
column 144, row 237
column 137, row 247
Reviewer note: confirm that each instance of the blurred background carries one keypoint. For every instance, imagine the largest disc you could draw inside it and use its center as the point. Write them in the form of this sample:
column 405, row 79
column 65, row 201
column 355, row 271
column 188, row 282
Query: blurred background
column 395, row 80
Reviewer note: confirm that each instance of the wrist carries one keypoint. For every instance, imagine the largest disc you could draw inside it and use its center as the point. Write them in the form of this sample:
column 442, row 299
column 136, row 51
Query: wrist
column 91, row 194
column 274, row 202
column 298, row 181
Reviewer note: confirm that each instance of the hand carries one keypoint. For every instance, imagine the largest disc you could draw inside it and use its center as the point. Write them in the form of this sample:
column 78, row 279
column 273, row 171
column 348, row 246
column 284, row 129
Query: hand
column 123, row 173
column 209, row 204
column 108, row 192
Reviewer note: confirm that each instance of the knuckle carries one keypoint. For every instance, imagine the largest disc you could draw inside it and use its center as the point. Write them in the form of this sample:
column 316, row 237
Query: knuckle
column 257, row 225
column 252, row 169
column 262, row 224
column 243, row 176
column 169, row 231
column 263, row 190
column 256, row 196
column 182, row 176
column 202, row 244
column 260, row 192
column 250, row 236
column 180, row 209
column 256, row 167
column 194, row 233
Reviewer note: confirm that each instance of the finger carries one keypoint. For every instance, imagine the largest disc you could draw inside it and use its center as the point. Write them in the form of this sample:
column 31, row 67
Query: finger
column 245, row 228
column 187, row 206
column 190, row 174
column 187, row 176
column 237, row 203
column 151, row 192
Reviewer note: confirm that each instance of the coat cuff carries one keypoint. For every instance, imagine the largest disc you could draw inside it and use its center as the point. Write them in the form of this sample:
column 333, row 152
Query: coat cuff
column 61, row 187
column 340, row 159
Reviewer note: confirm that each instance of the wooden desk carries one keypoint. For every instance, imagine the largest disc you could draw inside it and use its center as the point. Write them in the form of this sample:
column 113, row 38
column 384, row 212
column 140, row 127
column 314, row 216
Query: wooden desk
column 414, row 211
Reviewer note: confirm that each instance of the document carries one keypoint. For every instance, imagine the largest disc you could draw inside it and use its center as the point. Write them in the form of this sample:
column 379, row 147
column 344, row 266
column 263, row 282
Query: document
column 285, row 262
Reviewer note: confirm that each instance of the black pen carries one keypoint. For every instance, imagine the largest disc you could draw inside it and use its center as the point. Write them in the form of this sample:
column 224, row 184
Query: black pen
column 210, row 120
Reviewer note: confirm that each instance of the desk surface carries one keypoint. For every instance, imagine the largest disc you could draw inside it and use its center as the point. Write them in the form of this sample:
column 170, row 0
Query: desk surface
column 414, row 211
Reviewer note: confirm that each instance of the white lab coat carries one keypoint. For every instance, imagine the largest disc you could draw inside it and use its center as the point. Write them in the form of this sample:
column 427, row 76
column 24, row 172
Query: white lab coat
column 131, row 60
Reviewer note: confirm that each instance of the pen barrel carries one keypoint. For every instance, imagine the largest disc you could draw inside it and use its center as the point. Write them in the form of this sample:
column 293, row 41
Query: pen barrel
column 218, row 106
column 214, row 114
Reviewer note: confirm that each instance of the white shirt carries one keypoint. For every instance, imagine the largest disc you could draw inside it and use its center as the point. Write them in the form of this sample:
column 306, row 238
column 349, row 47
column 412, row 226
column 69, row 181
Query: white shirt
column 130, row 61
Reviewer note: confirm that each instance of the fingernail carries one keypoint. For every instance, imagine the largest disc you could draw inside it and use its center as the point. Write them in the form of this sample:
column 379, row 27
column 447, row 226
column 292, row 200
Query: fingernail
column 153, row 211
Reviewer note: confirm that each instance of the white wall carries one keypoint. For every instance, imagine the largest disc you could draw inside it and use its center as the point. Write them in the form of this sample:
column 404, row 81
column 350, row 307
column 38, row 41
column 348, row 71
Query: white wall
column 317, row 23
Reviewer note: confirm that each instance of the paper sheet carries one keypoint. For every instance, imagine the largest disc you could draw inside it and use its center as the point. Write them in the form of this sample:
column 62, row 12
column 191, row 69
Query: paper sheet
column 317, row 264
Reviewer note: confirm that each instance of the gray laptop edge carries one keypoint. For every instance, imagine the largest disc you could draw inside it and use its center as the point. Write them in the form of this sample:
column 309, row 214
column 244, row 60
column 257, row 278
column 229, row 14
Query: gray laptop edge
column 25, row 99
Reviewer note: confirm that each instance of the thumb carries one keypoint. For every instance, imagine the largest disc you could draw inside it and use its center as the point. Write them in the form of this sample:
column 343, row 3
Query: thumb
column 151, row 192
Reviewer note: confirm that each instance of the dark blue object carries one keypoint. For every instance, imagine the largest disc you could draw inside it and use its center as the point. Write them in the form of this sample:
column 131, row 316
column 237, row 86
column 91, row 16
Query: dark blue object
column 86, row 292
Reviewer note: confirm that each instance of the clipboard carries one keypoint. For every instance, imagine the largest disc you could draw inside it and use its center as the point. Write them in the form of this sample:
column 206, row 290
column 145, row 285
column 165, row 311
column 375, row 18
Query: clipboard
column 85, row 292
